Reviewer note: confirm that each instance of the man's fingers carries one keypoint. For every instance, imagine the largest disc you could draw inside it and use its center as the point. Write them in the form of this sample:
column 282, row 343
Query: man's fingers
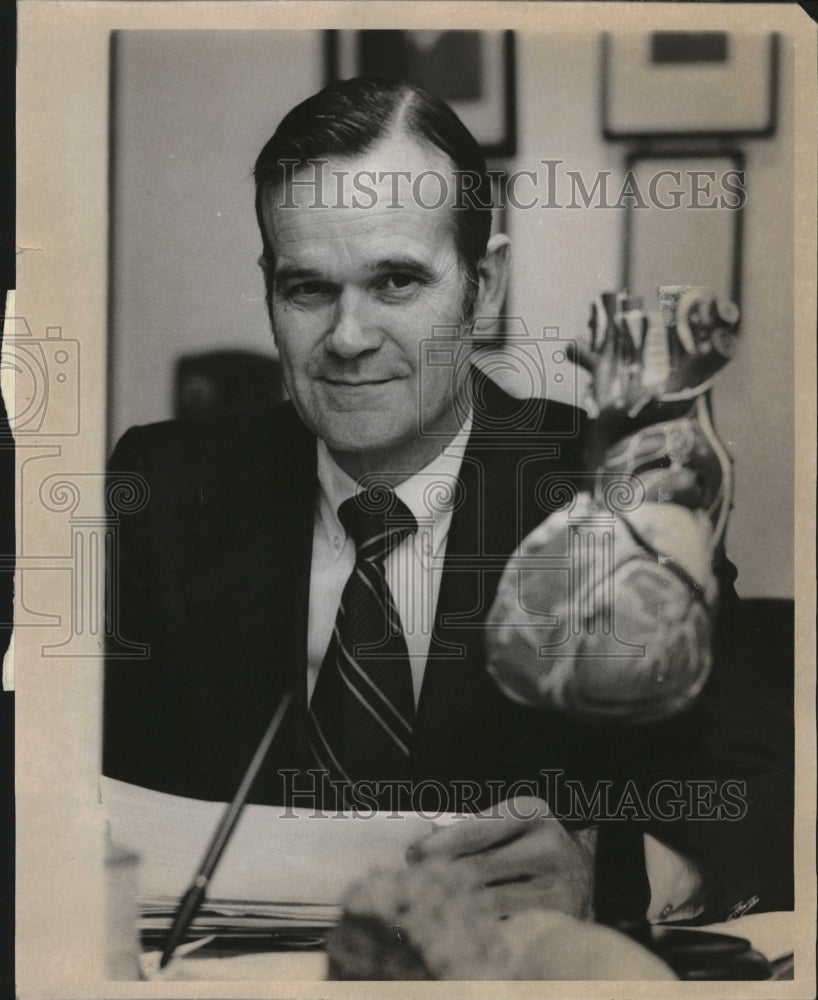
column 540, row 849
column 520, row 855
column 495, row 826
column 476, row 833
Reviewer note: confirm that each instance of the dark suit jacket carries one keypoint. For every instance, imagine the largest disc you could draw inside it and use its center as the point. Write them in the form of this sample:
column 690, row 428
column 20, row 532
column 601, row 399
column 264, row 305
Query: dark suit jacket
column 213, row 574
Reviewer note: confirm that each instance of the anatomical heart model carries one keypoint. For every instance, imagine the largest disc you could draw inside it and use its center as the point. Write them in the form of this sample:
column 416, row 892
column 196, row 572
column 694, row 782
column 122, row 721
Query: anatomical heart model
column 605, row 610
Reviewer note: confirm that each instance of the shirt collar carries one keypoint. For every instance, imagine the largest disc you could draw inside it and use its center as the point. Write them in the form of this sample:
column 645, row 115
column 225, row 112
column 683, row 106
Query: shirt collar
column 429, row 493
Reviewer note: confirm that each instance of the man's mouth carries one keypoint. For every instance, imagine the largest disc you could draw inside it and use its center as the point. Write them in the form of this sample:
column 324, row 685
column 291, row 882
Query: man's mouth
column 354, row 383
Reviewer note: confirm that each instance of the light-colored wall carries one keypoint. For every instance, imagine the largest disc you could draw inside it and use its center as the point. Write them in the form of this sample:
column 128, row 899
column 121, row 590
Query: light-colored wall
column 191, row 114
column 192, row 111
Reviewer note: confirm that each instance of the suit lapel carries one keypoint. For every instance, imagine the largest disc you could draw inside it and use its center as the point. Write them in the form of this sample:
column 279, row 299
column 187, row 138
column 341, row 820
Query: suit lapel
column 464, row 724
column 454, row 722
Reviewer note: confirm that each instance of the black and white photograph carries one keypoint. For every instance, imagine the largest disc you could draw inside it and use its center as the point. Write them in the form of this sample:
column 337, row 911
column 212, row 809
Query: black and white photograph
column 414, row 424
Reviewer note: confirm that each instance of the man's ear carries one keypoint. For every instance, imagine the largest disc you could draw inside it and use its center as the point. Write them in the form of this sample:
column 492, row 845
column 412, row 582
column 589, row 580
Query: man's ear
column 263, row 263
column 265, row 270
column 492, row 275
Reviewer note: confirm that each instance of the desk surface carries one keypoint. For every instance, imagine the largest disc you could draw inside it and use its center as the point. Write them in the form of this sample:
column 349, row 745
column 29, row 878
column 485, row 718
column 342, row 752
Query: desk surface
column 770, row 933
column 307, row 966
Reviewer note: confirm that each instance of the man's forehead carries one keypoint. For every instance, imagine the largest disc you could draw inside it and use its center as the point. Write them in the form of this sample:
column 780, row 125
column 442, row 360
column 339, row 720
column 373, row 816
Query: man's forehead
column 401, row 171
column 335, row 241
column 395, row 197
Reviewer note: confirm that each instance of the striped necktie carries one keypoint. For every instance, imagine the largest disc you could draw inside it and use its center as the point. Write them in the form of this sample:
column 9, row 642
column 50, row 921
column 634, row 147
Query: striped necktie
column 362, row 709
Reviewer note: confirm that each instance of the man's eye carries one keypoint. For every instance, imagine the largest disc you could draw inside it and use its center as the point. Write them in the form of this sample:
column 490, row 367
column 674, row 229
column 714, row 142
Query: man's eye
column 398, row 282
column 310, row 292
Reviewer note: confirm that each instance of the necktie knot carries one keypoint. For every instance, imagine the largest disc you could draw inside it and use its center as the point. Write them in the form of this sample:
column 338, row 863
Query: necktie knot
column 377, row 520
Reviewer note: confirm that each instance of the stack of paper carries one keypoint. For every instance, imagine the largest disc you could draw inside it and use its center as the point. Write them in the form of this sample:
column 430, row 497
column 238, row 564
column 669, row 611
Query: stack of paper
column 281, row 878
column 289, row 926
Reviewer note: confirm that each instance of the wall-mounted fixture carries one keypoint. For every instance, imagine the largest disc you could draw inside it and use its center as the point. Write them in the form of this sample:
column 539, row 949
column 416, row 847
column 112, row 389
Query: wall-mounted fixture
column 658, row 84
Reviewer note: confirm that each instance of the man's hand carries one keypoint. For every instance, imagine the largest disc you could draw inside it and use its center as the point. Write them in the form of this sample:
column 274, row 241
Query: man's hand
column 522, row 856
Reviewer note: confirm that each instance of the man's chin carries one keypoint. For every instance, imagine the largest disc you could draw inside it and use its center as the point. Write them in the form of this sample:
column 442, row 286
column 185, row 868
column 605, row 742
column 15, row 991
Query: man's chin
column 368, row 445
column 363, row 439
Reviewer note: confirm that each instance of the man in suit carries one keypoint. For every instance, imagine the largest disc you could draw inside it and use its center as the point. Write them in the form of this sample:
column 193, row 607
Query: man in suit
column 247, row 572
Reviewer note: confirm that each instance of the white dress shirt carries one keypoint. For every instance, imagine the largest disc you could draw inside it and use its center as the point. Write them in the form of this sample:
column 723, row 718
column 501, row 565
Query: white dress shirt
column 413, row 571
column 413, row 568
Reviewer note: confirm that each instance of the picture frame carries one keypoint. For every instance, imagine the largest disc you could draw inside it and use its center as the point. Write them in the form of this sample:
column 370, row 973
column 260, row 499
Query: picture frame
column 485, row 98
column 657, row 242
column 666, row 84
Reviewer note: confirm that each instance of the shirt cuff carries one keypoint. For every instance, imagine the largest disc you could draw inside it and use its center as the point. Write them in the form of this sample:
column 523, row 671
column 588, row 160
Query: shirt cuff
column 677, row 886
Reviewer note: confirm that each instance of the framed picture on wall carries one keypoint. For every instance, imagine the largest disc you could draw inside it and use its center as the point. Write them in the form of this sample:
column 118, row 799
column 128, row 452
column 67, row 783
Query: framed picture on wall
column 693, row 83
column 473, row 71
column 697, row 242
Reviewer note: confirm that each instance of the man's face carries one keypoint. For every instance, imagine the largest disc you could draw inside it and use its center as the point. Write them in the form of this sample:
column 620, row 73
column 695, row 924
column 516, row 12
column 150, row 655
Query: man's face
column 354, row 293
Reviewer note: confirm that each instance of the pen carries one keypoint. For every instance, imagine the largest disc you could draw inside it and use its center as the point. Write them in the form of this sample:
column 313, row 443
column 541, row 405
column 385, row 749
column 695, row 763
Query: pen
column 192, row 899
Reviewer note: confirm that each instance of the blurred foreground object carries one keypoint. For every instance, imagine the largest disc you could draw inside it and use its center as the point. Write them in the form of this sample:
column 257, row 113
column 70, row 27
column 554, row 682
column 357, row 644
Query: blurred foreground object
column 605, row 610
column 431, row 921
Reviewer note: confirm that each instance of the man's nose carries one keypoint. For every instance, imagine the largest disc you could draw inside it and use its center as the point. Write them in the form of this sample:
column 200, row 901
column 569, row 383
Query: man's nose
column 353, row 328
